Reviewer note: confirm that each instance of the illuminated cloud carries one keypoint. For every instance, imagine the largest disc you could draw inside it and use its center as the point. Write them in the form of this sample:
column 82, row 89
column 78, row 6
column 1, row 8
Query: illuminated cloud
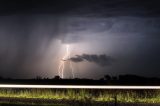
column 102, row 60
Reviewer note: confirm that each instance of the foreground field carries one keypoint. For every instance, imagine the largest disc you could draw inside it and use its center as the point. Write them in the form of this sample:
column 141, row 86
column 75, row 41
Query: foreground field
column 22, row 104
column 109, row 104
column 65, row 97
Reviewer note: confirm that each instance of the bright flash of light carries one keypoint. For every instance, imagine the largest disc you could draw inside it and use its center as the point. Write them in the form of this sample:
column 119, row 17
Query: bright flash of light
column 77, row 86
column 65, row 58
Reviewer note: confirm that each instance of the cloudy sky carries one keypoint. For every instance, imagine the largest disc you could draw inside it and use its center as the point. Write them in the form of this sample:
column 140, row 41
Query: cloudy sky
column 105, row 37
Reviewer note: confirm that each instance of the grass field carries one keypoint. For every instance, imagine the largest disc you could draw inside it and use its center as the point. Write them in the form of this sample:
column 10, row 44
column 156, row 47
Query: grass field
column 123, row 96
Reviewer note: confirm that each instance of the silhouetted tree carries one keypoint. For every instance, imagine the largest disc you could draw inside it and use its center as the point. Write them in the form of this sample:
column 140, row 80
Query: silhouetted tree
column 114, row 78
column 38, row 77
column 107, row 77
column 101, row 79
column 57, row 77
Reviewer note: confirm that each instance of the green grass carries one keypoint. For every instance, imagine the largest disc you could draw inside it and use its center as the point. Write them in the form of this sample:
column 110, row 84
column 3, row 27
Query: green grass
column 123, row 96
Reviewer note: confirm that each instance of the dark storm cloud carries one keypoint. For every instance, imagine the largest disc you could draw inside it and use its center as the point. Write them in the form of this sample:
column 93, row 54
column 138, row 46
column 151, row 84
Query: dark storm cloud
column 77, row 29
column 102, row 60
column 107, row 8
column 112, row 8
column 28, row 28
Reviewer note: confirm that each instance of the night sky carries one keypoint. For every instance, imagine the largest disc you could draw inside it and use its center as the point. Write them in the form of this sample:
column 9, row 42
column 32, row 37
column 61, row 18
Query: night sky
column 105, row 37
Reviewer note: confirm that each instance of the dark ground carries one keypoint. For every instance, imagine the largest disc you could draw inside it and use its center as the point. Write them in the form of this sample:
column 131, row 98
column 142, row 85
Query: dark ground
column 49, row 102
column 107, row 80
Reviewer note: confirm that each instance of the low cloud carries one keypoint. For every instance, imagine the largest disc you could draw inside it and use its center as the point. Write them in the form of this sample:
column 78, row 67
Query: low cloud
column 102, row 60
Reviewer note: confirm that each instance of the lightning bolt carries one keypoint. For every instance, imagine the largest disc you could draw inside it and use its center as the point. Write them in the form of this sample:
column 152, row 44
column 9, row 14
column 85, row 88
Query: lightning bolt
column 65, row 58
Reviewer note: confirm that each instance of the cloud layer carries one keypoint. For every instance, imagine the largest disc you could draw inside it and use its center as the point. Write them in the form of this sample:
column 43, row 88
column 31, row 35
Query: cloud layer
column 102, row 60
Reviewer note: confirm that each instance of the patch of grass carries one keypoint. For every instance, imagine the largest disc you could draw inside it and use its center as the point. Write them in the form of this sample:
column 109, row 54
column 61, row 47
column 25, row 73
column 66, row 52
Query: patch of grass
column 123, row 96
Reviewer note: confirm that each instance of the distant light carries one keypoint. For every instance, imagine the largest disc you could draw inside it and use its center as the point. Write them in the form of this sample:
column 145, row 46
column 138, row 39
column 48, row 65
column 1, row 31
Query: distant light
column 77, row 86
